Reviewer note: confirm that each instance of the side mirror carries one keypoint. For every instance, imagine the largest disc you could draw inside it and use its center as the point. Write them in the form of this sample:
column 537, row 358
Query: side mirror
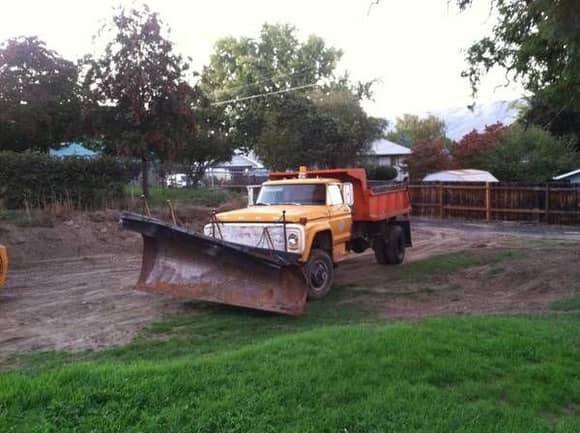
column 253, row 191
column 348, row 193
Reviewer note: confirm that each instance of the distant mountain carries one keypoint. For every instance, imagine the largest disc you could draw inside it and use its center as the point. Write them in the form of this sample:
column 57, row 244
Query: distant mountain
column 461, row 120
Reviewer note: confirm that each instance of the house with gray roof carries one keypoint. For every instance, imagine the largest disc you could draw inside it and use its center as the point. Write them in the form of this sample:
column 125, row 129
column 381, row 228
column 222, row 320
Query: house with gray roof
column 383, row 152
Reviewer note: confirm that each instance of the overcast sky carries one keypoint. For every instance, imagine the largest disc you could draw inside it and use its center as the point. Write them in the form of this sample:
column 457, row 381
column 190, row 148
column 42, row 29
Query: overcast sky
column 414, row 47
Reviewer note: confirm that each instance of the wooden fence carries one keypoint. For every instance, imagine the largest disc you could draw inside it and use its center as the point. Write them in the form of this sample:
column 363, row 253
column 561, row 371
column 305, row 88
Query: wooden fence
column 545, row 203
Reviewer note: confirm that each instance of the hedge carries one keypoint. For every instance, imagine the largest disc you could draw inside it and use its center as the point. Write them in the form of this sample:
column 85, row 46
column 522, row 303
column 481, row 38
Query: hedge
column 382, row 173
column 40, row 180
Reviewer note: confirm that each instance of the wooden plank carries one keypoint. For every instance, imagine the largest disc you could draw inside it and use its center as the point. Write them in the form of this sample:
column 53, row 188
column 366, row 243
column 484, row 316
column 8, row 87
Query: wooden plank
column 466, row 187
column 467, row 208
column 565, row 212
column 512, row 210
column 441, row 208
column 426, row 204
column 487, row 202
column 547, row 204
column 519, row 188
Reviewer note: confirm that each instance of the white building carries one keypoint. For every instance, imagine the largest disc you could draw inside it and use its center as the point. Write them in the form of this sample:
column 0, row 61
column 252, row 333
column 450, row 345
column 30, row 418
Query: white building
column 238, row 167
column 572, row 177
column 466, row 175
column 384, row 153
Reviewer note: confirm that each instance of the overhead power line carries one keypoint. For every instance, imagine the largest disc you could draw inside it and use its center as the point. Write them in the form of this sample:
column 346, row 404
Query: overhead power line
column 263, row 95
column 271, row 78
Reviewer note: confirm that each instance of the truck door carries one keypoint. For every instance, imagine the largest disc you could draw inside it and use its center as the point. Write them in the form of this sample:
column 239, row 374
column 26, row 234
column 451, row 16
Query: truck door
column 340, row 219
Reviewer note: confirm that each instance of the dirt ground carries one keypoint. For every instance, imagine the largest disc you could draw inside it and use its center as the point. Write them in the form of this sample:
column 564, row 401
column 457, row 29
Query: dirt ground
column 71, row 286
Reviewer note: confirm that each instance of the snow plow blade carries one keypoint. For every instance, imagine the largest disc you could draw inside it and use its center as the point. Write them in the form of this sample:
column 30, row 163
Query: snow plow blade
column 194, row 266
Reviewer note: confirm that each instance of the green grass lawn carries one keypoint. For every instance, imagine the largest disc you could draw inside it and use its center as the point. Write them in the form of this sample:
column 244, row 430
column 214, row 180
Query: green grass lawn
column 487, row 374
column 194, row 196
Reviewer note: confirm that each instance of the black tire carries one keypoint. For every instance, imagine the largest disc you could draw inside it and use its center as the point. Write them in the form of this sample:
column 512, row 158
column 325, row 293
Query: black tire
column 391, row 249
column 319, row 274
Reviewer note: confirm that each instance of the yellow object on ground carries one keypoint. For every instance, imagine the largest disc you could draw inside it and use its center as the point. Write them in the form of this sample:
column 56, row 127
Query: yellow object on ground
column 3, row 265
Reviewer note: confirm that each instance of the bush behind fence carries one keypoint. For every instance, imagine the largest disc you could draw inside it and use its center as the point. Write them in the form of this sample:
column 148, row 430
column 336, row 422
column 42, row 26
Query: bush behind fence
column 40, row 181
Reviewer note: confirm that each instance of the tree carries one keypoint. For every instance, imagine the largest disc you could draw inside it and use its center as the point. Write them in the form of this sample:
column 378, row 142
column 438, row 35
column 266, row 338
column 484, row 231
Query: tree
column 210, row 142
column 275, row 62
column 136, row 89
column 411, row 129
column 538, row 43
column 428, row 157
column 471, row 150
column 39, row 97
column 323, row 130
column 530, row 155
column 382, row 172
column 267, row 88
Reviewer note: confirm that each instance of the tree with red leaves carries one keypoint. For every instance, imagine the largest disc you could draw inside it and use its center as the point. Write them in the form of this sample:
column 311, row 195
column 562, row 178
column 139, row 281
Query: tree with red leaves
column 137, row 89
column 471, row 150
column 428, row 157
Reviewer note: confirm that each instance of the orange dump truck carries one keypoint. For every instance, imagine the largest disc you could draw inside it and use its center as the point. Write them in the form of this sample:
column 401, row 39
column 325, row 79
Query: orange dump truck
column 282, row 248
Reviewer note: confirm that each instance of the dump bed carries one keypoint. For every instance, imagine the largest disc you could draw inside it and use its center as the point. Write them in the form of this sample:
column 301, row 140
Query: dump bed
column 374, row 203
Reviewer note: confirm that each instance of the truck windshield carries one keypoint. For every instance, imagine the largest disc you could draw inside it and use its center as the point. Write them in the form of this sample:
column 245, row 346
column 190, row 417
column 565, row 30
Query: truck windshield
column 297, row 194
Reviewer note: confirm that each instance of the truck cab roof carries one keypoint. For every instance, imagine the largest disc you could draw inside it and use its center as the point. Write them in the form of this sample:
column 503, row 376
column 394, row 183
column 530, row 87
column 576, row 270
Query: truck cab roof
column 308, row 181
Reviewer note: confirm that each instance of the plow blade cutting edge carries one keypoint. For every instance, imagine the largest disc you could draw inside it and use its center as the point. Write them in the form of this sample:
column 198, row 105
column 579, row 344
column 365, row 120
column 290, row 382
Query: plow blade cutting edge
column 194, row 266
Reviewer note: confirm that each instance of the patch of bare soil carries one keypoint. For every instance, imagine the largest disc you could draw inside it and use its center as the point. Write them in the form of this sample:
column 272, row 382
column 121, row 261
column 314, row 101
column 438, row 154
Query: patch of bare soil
column 536, row 276
column 81, row 234
column 71, row 286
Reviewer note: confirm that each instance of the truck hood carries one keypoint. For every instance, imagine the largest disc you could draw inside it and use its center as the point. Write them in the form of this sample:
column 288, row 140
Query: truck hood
column 261, row 214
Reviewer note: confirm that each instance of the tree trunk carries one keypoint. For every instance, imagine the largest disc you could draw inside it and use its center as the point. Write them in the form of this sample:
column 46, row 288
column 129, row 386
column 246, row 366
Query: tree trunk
column 145, row 176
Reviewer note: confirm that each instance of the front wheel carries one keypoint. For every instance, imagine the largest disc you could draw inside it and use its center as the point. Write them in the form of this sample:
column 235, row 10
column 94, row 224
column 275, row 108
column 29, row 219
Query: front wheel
column 319, row 274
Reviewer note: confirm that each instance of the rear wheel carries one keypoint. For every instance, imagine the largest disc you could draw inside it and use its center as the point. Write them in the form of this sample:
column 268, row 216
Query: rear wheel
column 390, row 250
column 319, row 274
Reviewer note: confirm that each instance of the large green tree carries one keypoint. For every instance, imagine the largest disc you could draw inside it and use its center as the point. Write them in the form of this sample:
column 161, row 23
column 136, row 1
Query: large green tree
column 282, row 98
column 39, row 96
column 136, row 96
column 410, row 130
column 537, row 42
column 241, row 70
column 326, row 129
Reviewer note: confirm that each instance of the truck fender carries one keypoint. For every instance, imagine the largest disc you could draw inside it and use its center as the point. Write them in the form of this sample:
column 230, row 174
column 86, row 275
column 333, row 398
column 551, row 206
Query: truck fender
column 321, row 239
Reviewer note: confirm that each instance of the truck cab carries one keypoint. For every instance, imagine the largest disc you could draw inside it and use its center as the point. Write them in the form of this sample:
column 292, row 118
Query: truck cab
column 321, row 218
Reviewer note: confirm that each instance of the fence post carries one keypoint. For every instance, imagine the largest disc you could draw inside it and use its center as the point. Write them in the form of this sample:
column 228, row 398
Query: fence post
column 547, row 205
column 487, row 201
column 441, row 207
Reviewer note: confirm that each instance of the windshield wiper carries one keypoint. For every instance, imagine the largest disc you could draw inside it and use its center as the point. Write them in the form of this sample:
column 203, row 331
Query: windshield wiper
column 261, row 204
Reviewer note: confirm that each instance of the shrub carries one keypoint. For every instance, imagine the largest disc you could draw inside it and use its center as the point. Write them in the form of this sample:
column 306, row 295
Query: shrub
column 530, row 155
column 39, row 180
column 382, row 173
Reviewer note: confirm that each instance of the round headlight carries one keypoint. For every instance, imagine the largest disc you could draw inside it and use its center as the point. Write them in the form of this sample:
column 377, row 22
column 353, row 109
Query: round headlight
column 293, row 241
